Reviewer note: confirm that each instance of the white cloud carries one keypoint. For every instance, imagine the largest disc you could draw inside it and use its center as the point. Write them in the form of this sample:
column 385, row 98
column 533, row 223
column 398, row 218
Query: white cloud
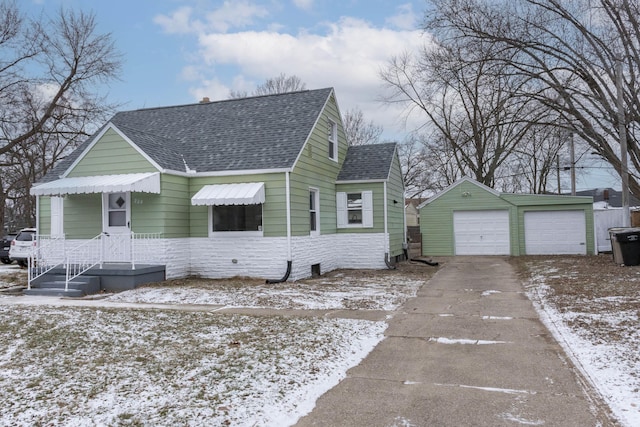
column 347, row 56
column 303, row 4
column 405, row 19
column 191, row 73
column 177, row 22
column 236, row 14
column 212, row 89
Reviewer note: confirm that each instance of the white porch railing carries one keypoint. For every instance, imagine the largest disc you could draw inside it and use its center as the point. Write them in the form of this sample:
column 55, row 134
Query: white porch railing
column 144, row 248
column 127, row 248
column 83, row 257
column 47, row 254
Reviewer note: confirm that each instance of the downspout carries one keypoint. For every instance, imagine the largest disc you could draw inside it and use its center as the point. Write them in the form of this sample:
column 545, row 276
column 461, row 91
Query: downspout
column 289, row 252
column 405, row 242
column 387, row 248
column 37, row 215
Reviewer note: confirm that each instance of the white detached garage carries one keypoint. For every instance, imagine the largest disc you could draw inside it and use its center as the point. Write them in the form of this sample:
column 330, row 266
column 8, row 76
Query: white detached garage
column 469, row 218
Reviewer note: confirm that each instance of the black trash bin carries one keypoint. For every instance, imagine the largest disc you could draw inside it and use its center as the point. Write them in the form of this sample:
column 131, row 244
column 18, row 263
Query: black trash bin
column 629, row 242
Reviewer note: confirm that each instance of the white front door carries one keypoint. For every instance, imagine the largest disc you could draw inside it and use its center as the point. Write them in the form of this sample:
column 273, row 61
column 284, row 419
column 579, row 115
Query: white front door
column 116, row 223
column 57, row 216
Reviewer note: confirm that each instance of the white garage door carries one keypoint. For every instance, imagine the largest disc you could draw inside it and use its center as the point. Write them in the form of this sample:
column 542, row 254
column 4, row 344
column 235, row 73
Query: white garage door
column 481, row 232
column 555, row 233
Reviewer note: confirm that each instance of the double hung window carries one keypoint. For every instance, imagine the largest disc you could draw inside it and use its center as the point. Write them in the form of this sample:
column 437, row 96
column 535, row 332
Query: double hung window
column 354, row 209
column 314, row 211
column 332, row 136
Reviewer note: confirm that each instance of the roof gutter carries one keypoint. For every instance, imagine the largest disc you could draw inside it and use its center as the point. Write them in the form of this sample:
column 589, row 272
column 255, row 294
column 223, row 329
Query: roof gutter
column 225, row 173
column 361, row 181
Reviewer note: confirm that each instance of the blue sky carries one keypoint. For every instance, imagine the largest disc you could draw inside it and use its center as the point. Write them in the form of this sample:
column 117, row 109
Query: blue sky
column 177, row 51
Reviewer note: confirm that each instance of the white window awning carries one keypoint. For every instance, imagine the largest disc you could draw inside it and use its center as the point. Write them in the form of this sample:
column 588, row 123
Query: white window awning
column 251, row 193
column 132, row 182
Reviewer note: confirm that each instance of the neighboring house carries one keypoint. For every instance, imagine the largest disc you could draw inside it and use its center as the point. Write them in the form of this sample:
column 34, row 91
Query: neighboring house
column 613, row 198
column 263, row 187
column 412, row 215
column 469, row 218
column 411, row 211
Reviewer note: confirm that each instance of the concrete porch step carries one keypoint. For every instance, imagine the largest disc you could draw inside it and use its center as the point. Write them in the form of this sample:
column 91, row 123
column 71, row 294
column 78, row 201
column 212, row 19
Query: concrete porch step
column 54, row 292
column 55, row 286
column 112, row 277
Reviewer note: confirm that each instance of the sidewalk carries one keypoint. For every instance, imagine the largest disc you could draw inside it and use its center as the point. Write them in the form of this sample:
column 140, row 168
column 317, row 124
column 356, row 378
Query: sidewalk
column 469, row 350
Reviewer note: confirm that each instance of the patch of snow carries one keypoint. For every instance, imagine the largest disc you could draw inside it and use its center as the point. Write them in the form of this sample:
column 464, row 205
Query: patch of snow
column 612, row 376
column 403, row 422
column 87, row 366
column 489, row 293
column 520, row 420
column 464, row 341
column 492, row 389
column 381, row 294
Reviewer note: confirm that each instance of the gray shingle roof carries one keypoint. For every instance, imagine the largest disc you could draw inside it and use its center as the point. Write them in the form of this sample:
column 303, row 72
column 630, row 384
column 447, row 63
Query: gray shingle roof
column 367, row 162
column 264, row 132
column 613, row 197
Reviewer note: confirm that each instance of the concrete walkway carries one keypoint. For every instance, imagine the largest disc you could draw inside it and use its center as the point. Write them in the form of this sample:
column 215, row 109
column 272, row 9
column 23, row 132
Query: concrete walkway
column 469, row 350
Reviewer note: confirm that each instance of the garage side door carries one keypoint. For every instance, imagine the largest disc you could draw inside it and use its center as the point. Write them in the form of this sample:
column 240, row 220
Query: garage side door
column 481, row 232
column 555, row 233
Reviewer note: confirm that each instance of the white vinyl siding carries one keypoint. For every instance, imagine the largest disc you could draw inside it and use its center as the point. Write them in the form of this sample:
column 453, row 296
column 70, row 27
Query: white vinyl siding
column 366, row 211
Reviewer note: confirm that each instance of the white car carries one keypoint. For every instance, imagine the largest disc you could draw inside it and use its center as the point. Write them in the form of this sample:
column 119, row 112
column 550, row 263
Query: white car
column 22, row 246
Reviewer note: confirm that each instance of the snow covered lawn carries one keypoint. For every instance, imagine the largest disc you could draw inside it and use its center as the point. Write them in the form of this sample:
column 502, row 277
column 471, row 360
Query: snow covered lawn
column 341, row 290
column 81, row 366
column 592, row 306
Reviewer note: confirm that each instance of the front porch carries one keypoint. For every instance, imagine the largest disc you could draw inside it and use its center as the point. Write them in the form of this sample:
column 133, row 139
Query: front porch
column 111, row 277
column 105, row 263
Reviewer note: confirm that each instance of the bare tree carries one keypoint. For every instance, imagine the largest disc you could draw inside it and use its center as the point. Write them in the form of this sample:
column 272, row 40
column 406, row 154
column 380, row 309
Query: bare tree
column 534, row 161
column 50, row 72
column 570, row 49
column 274, row 85
column 358, row 130
column 471, row 102
column 421, row 169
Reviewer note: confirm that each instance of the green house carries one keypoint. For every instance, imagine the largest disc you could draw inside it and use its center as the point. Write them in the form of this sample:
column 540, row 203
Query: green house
column 262, row 186
column 469, row 218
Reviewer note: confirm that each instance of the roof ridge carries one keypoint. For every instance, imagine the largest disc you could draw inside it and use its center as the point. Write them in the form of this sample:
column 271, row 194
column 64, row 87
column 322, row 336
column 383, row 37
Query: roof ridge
column 220, row 101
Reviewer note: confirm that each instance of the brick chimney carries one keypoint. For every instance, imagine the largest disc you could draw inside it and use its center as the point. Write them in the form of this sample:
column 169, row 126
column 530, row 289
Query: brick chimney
column 205, row 100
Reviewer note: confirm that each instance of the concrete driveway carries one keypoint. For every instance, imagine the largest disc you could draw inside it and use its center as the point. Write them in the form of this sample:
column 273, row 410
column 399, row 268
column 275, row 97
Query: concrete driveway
column 469, row 350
